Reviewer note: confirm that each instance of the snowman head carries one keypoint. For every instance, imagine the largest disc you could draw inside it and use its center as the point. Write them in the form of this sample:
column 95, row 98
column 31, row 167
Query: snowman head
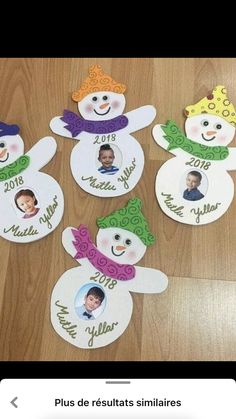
column 100, row 97
column 11, row 144
column 212, row 120
column 124, row 235
column 120, row 245
column 101, row 106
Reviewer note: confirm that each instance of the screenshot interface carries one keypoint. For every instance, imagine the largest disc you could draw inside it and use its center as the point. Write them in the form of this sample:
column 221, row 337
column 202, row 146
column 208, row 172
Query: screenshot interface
column 117, row 399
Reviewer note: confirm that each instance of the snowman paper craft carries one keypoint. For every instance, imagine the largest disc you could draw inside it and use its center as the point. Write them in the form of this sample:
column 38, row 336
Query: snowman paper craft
column 107, row 161
column 91, row 305
column 195, row 187
column 32, row 202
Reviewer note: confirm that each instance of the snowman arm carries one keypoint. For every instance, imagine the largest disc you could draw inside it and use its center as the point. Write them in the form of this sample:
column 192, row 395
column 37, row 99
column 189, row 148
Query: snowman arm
column 57, row 126
column 148, row 280
column 158, row 136
column 230, row 162
column 67, row 242
column 42, row 152
column 140, row 118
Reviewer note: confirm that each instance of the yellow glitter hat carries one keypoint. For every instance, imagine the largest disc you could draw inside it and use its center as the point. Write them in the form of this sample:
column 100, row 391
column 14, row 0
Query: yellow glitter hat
column 97, row 81
column 216, row 103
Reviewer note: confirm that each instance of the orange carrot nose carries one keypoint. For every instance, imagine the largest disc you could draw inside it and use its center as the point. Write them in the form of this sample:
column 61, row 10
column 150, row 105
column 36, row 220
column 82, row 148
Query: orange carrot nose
column 104, row 105
column 120, row 247
column 3, row 152
column 211, row 132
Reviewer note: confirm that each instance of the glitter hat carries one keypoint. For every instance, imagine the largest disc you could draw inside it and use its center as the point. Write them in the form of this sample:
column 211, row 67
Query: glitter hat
column 129, row 218
column 97, row 81
column 216, row 103
column 6, row 129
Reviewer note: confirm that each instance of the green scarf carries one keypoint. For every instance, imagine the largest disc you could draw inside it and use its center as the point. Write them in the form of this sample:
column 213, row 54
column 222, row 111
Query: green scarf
column 177, row 139
column 14, row 168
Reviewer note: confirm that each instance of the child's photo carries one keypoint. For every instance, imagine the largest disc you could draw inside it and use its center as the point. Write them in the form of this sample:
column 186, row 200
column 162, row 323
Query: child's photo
column 107, row 157
column 89, row 302
column 196, row 186
column 27, row 202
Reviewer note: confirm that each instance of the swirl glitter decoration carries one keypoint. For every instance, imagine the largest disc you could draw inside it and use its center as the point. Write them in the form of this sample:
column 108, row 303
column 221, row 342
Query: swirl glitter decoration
column 177, row 139
column 215, row 103
column 76, row 124
column 87, row 249
column 15, row 168
column 97, row 81
column 129, row 218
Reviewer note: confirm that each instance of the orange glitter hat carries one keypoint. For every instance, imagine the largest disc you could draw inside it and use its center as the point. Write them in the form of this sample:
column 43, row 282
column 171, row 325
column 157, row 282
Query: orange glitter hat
column 97, row 81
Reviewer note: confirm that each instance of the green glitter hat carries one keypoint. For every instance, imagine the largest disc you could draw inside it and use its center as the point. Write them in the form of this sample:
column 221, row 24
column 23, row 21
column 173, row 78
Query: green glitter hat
column 129, row 218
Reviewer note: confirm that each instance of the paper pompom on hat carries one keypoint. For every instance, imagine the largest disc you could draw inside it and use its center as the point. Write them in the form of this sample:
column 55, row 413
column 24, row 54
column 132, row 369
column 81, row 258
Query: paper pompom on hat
column 216, row 103
column 97, row 81
column 129, row 218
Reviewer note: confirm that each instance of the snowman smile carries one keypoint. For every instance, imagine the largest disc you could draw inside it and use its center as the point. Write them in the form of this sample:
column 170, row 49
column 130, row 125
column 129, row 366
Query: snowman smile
column 208, row 139
column 116, row 254
column 108, row 110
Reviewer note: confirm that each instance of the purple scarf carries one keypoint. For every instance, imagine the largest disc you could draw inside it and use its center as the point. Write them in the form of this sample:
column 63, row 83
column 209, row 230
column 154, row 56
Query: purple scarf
column 87, row 249
column 76, row 124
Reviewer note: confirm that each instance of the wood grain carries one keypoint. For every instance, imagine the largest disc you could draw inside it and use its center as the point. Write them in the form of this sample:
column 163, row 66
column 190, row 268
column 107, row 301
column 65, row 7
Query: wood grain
column 194, row 319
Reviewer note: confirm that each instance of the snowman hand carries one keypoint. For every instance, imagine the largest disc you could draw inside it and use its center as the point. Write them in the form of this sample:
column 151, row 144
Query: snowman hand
column 68, row 244
column 159, row 137
column 148, row 281
column 140, row 118
column 42, row 152
column 57, row 126
column 67, row 241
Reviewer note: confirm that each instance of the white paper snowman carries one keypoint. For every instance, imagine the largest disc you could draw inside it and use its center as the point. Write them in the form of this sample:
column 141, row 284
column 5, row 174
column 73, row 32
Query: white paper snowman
column 91, row 305
column 195, row 187
column 107, row 161
column 32, row 202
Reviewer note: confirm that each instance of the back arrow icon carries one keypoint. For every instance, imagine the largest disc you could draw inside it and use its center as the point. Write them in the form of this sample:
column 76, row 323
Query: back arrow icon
column 13, row 402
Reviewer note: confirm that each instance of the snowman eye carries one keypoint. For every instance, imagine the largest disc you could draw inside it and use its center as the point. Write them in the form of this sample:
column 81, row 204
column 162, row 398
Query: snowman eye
column 204, row 123
column 218, row 126
column 2, row 145
column 128, row 242
column 105, row 97
column 94, row 98
column 117, row 237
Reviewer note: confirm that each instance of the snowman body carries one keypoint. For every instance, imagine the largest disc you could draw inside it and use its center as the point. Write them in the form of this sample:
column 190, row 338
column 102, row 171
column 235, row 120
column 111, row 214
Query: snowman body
column 113, row 316
column 90, row 333
column 170, row 186
column 84, row 164
column 212, row 194
column 20, row 173
column 109, row 127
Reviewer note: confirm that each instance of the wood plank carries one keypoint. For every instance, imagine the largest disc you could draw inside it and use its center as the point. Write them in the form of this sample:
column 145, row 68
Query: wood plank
column 194, row 318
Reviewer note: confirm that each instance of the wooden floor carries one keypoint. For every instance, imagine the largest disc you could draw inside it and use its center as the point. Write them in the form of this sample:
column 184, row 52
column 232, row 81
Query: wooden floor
column 195, row 318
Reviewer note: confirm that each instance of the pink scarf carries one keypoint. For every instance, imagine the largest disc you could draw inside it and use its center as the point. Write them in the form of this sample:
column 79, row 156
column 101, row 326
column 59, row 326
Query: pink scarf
column 87, row 249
